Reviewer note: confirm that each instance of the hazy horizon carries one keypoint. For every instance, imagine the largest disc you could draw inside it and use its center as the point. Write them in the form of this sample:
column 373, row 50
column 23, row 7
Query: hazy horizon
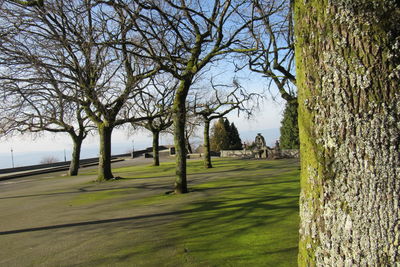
column 26, row 158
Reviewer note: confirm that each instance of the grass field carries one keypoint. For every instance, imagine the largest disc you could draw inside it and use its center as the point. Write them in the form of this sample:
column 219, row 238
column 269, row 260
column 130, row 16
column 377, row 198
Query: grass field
column 239, row 213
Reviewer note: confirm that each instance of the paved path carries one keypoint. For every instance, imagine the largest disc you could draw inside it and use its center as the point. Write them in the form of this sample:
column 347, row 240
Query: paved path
column 55, row 220
column 43, row 223
column 26, row 173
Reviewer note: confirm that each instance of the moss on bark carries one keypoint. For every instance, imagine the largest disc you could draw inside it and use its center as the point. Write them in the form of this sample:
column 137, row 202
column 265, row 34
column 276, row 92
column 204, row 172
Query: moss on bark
column 180, row 186
column 348, row 70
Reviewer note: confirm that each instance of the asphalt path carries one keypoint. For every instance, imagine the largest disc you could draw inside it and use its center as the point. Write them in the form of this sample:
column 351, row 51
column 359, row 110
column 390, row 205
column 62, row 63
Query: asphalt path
column 42, row 222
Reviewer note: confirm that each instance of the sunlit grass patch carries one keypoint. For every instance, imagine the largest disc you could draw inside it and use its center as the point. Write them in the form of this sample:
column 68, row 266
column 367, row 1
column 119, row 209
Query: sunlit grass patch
column 246, row 220
column 239, row 213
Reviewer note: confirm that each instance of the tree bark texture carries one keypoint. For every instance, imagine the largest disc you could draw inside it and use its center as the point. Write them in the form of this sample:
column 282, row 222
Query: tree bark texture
column 207, row 154
column 180, row 185
column 104, row 170
column 348, row 70
column 156, row 154
column 76, row 154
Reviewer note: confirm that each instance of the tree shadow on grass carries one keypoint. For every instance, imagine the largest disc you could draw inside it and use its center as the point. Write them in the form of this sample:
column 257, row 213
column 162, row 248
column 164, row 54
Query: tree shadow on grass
column 249, row 211
column 78, row 191
column 233, row 217
column 87, row 223
column 197, row 189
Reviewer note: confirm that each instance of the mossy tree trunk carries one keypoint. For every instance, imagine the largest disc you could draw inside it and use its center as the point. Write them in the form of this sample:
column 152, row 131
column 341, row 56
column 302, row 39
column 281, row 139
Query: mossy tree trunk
column 348, row 71
column 207, row 152
column 156, row 154
column 180, row 185
column 104, row 169
column 76, row 154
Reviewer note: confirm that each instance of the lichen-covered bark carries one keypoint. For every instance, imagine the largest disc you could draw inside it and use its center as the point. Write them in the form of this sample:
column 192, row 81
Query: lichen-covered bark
column 207, row 155
column 104, row 169
column 348, row 72
column 180, row 185
column 76, row 154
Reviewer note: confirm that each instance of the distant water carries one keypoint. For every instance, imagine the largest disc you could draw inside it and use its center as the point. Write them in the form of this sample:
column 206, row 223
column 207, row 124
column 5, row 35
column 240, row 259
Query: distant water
column 33, row 158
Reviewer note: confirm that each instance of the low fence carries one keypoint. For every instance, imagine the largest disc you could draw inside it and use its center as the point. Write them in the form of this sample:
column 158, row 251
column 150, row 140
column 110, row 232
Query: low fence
column 237, row 153
column 46, row 165
column 56, row 164
column 290, row 153
column 245, row 153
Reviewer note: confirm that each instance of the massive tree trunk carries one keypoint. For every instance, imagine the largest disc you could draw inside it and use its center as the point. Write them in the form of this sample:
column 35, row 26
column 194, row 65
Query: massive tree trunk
column 207, row 154
column 76, row 154
column 180, row 185
column 104, row 170
column 156, row 154
column 348, row 71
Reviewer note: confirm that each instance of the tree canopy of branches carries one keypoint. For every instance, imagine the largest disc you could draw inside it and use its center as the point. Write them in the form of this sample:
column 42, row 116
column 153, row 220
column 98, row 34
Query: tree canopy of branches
column 74, row 42
column 217, row 104
column 274, row 58
column 32, row 91
column 157, row 99
column 33, row 108
column 182, row 37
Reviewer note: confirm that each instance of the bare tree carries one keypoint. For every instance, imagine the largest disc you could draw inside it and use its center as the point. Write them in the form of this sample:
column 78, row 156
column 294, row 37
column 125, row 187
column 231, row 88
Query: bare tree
column 157, row 99
column 32, row 107
column 192, row 125
column 191, row 128
column 74, row 42
column 274, row 56
column 182, row 37
column 32, row 92
column 217, row 104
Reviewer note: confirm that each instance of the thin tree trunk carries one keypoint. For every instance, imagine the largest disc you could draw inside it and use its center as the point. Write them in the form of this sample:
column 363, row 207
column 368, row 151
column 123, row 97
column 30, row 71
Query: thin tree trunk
column 180, row 185
column 104, row 170
column 188, row 146
column 207, row 154
column 348, row 73
column 156, row 154
column 76, row 154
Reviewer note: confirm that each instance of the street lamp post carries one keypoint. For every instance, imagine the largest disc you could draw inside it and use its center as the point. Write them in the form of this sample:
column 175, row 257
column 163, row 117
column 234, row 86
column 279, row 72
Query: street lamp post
column 12, row 157
column 133, row 149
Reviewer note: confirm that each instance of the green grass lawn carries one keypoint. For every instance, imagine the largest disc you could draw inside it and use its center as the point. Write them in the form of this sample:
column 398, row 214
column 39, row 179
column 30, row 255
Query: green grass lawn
column 239, row 213
column 250, row 218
